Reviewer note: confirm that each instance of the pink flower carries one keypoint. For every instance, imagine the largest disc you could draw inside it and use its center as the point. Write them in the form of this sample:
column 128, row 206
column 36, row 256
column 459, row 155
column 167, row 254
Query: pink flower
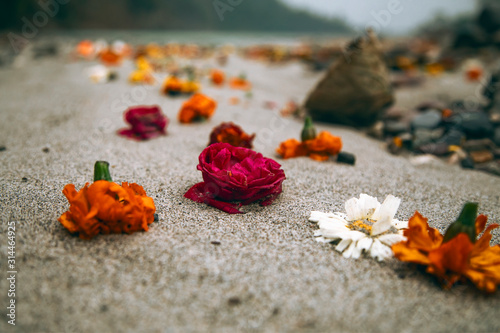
column 233, row 174
column 147, row 122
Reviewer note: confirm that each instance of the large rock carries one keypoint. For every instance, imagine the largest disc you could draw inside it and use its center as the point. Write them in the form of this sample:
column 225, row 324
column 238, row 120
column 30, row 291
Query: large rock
column 355, row 89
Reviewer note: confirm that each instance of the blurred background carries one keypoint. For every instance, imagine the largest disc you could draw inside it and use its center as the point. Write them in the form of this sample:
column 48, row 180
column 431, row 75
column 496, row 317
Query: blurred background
column 257, row 15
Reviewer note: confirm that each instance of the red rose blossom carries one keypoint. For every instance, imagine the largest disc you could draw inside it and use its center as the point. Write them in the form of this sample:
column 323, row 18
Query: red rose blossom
column 233, row 174
column 147, row 122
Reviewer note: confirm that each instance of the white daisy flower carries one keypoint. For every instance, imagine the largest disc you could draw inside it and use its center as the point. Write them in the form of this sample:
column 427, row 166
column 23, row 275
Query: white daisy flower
column 367, row 227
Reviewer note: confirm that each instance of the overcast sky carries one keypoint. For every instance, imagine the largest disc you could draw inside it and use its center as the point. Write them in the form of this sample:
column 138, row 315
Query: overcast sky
column 409, row 13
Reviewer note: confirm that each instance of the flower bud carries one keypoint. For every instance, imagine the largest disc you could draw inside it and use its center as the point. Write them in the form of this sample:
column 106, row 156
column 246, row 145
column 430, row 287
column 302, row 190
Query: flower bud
column 101, row 171
column 308, row 132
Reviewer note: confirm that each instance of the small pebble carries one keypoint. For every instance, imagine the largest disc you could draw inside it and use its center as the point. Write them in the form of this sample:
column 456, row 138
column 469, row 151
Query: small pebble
column 234, row 301
column 346, row 158
column 215, row 242
column 24, row 179
column 45, row 150
column 2, row 148
column 156, row 218
column 482, row 156
column 467, row 163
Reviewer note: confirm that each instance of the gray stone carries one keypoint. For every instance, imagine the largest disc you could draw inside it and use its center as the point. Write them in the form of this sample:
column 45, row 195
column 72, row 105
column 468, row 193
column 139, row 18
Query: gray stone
column 475, row 125
column 425, row 136
column 395, row 127
column 430, row 119
column 475, row 145
column 453, row 137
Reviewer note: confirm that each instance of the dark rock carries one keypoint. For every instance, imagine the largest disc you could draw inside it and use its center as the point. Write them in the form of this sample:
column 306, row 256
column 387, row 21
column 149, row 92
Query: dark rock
column 233, row 301
column 470, row 36
column 24, row 179
column 453, row 137
column 425, row 136
column 356, row 88
column 475, row 145
column 3, row 148
column 496, row 137
column 482, row 156
column 46, row 150
column 438, row 149
column 430, row 119
column 491, row 167
column 346, row 158
column 215, row 242
column 395, row 127
column 496, row 153
column 467, row 163
column 475, row 125
column 155, row 217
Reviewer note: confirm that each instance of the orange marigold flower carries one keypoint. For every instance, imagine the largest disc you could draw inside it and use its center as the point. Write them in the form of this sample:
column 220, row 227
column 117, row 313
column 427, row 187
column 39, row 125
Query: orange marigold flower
column 456, row 259
column 106, row 207
column 198, row 107
column 319, row 148
column 85, row 48
column 217, row 77
column 240, row 83
column 232, row 134
column 172, row 86
column 109, row 58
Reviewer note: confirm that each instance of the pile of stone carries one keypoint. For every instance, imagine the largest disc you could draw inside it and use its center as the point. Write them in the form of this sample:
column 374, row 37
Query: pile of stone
column 469, row 136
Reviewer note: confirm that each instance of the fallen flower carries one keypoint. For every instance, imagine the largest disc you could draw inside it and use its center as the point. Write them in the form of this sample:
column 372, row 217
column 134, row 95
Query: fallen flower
column 106, row 207
column 172, row 86
column 240, row 83
column 141, row 76
column 190, row 87
column 217, row 77
column 457, row 255
column 110, row 58
column 100, row 74
column 367, row 227
column 85, row 49
column 147, row 122
column 232, row 134
column 236, row 176
column 318, row 147
column 198, row 107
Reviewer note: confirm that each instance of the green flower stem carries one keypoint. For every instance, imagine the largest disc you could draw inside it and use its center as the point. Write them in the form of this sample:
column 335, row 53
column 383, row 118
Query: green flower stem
column 101, row 171
column 465, row 223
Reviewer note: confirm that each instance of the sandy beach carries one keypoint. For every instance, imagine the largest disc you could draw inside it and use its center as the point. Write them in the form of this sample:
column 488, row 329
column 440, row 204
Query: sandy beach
column 265, row 271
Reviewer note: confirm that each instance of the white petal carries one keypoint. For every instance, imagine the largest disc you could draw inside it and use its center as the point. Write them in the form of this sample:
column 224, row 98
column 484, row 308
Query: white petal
column 316, row 216
column 368, row 205
column 343, row 244
column 364, row 244
column 322, row 240
column 388, row 208
column 352, row 209
column 350, row 250
column 380, row 251
column 400, row 224
column 384, row 215
column 356, row 253
column 391, row 239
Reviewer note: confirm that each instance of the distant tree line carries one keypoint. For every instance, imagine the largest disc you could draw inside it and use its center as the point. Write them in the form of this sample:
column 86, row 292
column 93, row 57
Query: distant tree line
column 250, row 15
